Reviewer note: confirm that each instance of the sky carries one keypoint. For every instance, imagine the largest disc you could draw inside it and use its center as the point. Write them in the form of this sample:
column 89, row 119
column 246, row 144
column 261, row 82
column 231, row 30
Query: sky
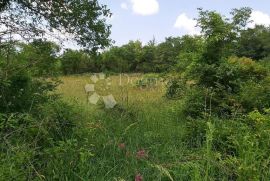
column 144, row 19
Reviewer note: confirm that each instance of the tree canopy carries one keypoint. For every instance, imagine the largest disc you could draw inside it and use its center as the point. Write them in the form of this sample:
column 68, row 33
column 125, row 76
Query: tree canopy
column 82, row 20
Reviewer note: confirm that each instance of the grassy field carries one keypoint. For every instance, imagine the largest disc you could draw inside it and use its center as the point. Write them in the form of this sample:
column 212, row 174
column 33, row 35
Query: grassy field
column 142, row 135
column 122, row 87
column 146, row 136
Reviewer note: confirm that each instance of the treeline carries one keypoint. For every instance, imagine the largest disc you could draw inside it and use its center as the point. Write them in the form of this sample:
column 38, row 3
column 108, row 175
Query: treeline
column 174, row 54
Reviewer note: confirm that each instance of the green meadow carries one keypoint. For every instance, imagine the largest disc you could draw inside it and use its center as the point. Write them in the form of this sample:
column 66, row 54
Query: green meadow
column 173, row 147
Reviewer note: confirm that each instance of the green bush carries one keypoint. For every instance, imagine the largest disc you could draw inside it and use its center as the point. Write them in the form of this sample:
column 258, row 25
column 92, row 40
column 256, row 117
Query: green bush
column 29, row 140
column 176, row 88
column 20, row 92
column 243, row 145
column 194, row 103
column 32, row 120
column 236, row 86
column 230, row 149
column 254, row 95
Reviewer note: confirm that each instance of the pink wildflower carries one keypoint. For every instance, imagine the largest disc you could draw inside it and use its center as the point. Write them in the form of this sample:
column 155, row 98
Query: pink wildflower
column 138, row 177
column 121, row 146
column 141, row 154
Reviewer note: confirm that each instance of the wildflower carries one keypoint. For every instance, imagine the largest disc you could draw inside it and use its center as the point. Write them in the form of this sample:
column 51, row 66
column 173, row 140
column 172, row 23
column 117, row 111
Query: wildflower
column 141, row 154
column 138, row 177
column 121, row 146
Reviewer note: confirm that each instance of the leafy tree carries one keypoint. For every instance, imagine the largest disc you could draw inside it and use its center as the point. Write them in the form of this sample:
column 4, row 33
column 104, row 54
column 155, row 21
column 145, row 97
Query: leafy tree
column 112, row 60
column 148, row 58
column 131, row 53
column 167, row 53
column 84, row 21
column 43, row 57
column 74, row 62
column 218, row 79
column 220, row 33
column 122, row 59
column 190, row 52
column 254, row 43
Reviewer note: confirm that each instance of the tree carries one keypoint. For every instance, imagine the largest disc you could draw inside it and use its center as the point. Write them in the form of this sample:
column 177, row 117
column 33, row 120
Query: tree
column 220, row 34
column 43, row 55
column 74, row 62
column 147, row 58
column 83, row 20
column 131, row 53
column 167, row 53
column 113, row 60
column 191, row 51
column 254, row 43
column 217, row 78
column 122, row 59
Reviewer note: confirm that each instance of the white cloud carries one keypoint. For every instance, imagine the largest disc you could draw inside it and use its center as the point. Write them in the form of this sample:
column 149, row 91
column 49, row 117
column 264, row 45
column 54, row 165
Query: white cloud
column 145, row 7
column 259, row 18
column 187, row 24
column 124, row 6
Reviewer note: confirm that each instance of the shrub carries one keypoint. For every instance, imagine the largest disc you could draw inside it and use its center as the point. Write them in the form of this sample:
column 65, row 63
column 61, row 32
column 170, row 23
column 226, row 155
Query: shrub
column 20, row 92
column 28, row 140
column 32, row 120
column 255, row 95
column 194, row 103
column 235, row 86
column 176, row 88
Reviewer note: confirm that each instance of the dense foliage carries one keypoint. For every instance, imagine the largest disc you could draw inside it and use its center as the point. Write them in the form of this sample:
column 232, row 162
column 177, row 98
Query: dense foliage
column 219, row 78
column 34, row 120
column 82, row 21
column 211, row 124
column 173, row 54
column 180, row 54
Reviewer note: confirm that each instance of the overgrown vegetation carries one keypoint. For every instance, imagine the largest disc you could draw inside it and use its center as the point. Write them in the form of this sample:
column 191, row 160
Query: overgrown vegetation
column 199, row 109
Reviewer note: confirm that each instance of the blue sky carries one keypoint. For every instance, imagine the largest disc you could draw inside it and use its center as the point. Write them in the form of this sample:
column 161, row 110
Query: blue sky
column 145, row 19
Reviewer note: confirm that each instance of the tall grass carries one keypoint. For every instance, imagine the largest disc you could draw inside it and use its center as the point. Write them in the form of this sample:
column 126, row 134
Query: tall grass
column 175, row 148
column 145, row 136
